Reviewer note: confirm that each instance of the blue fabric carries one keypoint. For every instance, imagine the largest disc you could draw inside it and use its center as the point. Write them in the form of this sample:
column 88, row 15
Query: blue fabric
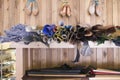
column 49, row 30
column 16, row 33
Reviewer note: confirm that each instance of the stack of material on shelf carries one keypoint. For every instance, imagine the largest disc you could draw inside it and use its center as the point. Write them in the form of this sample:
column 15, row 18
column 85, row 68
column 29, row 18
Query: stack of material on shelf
column 64, row 71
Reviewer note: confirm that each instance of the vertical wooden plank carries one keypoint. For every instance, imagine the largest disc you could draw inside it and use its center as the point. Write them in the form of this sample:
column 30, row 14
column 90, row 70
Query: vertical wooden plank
column 39, row 16
column 38, row 60
column 43, row 58
column 22, row 13
column 54, row 57
column 64, row 55
column 54, row 11
column 87, row 16
column 20, row 70
column 6, row 15
column 116, row 58
column 104, row 58
column 31, row 52
column 1, row 16
column 17, row 11
column 32, row 21
column 115, row 12
column 88, row 60
column 48, row 57
column 82, row 11
column 104, row 14
column 43, row 11
column 94, row 57
column 118, row 12
column 11, row 13
column 110, row 58
column 35, row 58
column 71, row 54
column 58, row 56
column 109, row 12
column 77, row 12
column 119, row 58
column 92, row 20
column 49, row 11
column 61, row 56
column 30, row 58
column 99, row 57
column 25, row 56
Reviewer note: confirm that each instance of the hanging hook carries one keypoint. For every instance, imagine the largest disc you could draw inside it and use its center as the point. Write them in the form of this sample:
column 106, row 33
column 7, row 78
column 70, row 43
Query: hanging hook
column 64, row 2
column 96, row 2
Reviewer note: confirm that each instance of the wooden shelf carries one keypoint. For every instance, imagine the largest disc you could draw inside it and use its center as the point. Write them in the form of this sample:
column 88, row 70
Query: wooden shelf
column 41, row 45
column 107, row 44
column 21, row 57
column 53, row 75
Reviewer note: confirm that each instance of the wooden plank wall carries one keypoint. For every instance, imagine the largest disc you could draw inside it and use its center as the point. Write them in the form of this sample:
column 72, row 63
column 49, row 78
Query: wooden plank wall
column 42, row 58
column 12, row 13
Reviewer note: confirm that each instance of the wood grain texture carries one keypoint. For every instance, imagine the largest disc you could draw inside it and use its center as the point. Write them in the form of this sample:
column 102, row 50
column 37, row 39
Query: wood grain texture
column 12, row 12
column 1, row 16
